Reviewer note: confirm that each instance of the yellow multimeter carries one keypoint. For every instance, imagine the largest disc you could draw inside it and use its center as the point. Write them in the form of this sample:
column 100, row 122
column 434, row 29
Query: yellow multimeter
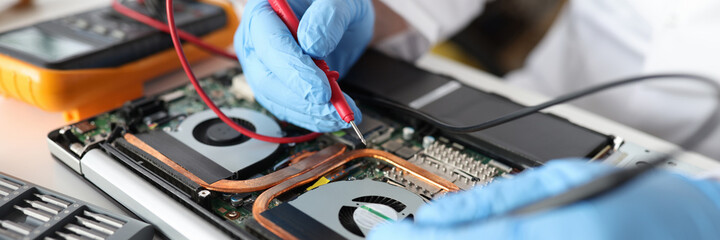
column 94, row 61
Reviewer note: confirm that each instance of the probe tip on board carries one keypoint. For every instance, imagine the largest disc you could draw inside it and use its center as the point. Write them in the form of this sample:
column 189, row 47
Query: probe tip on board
column 357, row 131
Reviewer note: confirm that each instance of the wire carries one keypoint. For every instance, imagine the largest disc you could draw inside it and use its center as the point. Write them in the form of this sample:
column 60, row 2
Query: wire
column 154, row 23
column 188, row 71
column 171, row 28
column 531, row 109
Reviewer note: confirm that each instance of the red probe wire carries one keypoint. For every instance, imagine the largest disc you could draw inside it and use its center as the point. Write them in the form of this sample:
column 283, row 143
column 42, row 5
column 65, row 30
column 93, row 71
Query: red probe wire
column 287, row 15
column 129, row 12
column 188, row 71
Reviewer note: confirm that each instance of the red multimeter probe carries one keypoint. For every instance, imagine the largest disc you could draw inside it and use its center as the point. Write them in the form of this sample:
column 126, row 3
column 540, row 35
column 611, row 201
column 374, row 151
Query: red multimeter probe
column 286, row 14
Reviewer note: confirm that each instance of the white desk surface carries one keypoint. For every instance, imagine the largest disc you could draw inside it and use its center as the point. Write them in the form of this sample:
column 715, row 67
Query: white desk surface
column 23, row 128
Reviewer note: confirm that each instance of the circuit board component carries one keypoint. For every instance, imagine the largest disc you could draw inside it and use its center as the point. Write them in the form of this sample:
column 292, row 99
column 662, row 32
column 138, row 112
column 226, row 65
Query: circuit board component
column 462, row 169
column 399, row 178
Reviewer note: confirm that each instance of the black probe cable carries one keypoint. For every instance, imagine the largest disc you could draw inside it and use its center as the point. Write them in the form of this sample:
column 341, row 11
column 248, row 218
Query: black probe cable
column 600, row 185
column 531, row 109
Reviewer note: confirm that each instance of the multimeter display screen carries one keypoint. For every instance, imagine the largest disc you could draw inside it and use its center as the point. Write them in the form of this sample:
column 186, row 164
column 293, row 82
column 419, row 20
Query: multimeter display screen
column 48, row 47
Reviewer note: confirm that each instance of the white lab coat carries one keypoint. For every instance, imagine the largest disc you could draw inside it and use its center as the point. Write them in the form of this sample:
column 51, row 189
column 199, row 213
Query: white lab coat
column 596, row 41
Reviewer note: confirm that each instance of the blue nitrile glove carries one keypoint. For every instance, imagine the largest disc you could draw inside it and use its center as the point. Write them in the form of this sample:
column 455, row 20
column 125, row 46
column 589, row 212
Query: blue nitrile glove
column 658, row 205
column 282, row 74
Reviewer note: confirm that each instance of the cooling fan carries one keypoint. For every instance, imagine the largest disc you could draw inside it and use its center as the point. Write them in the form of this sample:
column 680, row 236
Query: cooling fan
column 209, row 136
column 352, row 208
column 369, row 211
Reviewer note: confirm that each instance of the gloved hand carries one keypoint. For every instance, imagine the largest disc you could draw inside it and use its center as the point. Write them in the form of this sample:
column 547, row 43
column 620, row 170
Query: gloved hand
column 658, row 205
column 282, row 74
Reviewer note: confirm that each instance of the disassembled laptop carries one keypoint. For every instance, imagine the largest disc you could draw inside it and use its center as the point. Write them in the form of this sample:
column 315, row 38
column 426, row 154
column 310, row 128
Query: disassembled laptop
column 171, row 161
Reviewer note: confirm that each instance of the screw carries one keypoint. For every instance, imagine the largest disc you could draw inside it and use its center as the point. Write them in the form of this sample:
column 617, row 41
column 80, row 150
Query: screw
column 204, row 193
